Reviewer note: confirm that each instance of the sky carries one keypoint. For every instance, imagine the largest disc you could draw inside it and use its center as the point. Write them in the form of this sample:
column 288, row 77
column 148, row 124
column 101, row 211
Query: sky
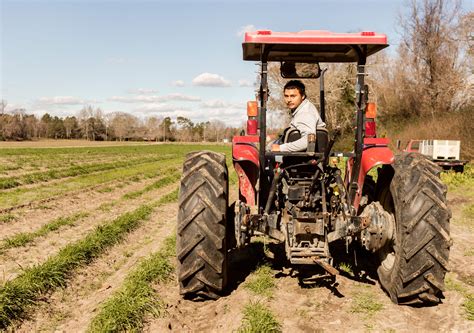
column 155, row 58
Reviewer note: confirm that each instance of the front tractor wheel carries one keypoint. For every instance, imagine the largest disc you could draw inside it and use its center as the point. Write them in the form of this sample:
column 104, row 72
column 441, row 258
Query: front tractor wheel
column 414, row 264
column 201, row 231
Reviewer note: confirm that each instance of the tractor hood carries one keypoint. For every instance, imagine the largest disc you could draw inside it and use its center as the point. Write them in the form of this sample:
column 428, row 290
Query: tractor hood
column 312, row 46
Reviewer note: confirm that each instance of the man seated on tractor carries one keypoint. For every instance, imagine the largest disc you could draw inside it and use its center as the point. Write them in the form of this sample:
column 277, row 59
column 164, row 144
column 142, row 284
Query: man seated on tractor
column 305, row 118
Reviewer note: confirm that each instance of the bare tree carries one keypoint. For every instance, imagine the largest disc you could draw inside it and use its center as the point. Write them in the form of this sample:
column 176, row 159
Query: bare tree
column 429, row 75
column 3, row 106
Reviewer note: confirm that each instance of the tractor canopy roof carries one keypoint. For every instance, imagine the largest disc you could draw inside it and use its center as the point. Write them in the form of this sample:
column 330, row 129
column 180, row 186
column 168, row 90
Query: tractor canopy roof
column 312, row 45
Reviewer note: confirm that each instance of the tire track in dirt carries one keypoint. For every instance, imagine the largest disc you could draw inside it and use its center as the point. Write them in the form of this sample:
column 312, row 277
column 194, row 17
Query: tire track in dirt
column 14, row 260
column 222, row 315
column 72, row 309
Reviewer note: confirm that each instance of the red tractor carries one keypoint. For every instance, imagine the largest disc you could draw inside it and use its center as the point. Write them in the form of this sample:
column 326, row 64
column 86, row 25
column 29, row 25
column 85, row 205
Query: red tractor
column 299, row 199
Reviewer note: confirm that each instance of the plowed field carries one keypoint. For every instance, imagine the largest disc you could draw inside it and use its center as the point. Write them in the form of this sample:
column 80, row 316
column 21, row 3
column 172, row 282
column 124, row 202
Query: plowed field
column 87, row 244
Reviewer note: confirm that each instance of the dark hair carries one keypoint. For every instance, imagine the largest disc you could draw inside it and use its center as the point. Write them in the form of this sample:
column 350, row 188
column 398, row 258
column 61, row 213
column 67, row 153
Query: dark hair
column 296, row 84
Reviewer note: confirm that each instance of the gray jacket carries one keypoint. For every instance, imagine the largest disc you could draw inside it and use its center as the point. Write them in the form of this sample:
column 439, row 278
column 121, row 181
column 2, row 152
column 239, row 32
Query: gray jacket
column 306, row 119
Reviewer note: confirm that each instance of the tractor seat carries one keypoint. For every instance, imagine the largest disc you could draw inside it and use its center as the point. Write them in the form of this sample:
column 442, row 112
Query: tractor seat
column 321, row 139
column 292, row 134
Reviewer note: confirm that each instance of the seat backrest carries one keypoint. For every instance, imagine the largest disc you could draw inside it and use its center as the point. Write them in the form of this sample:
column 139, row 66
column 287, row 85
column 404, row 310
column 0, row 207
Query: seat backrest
column 321, row 139
column 291, row 134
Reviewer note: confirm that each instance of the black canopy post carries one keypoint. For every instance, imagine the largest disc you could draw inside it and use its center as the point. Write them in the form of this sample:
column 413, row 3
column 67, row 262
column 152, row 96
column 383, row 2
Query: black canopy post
column 263, row 94
column 322, row 102
column 359, row 135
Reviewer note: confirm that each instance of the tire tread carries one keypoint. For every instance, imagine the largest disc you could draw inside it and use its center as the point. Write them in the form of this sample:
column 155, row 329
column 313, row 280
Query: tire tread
column 201, row 230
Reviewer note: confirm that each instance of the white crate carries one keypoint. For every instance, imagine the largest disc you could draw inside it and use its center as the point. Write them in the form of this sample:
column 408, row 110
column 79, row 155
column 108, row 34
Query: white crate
column 441, row 149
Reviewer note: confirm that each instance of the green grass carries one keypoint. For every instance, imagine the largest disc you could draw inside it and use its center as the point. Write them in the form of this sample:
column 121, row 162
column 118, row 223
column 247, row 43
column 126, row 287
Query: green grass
column 347, row 268
column 155, row 185
column 170, row 197
column 469, row 253
column 452, row 284
column 365, row 302
column 5, row 218
column 468, row 304
column 125, row 310
column 19, row 294
column 468, row 211
column 75, row 170
column 456, row 179
column 49, row 158
column 262, row 281
column 23, row 238
column 259, row 319
column 20, row 196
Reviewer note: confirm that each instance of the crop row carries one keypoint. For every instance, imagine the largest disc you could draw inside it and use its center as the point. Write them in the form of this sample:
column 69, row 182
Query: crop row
column 21, row 293
column 24, row 238
column 21, row 196
column 37, row 177
column 61, row 153
column 21, row 160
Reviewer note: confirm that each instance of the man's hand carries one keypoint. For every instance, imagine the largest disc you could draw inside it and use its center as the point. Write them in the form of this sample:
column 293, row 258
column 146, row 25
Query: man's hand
column 275, row 147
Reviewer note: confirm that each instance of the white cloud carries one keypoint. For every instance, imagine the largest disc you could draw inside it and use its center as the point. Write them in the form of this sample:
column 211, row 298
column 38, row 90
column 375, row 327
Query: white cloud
column 154, row 98
column 210, row 80
column 10, row 107
column 213, row 104
column 246, row 28
column 63, row 100
column 220, row 104
column 245, row 83
column 181, row 97
column 178, row 83
column 160, row 108
column 143, row 91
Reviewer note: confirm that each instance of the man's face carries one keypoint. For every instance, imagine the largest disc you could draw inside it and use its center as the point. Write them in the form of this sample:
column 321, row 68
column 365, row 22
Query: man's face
column 293, row 98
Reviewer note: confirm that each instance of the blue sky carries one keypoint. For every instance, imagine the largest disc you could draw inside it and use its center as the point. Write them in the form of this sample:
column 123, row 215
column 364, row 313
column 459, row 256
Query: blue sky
column 155, row 58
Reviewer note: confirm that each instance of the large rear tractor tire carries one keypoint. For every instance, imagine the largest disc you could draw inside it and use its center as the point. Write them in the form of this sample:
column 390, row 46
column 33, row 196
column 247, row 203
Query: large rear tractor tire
column 201, row 232
column 414, row 265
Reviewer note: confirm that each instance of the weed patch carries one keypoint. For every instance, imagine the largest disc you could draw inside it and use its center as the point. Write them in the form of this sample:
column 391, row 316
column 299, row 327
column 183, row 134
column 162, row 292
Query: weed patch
column 468, row 211
column 346, row 268
column 365, row 302
column 262, row 281
column 258, row 319
column 5, row 218
column 457, row 179
column 469, row 253
column 468, row 304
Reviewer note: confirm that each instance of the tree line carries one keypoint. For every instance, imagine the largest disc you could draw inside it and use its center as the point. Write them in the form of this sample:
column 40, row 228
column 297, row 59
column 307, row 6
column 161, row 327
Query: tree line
column 92, row 124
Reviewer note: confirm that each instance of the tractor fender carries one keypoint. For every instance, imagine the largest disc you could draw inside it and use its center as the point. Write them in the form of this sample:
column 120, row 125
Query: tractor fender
column 376, row 152
column 245, row 156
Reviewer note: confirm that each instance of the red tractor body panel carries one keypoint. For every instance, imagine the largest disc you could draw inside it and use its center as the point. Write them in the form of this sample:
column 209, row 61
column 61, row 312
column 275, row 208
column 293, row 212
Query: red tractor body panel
column 323, row 46
column 246, row 163
column 376, row 152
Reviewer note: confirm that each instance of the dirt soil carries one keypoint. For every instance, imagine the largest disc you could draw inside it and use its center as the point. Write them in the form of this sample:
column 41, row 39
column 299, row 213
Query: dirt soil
column 71, row 309
column 326, row 306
